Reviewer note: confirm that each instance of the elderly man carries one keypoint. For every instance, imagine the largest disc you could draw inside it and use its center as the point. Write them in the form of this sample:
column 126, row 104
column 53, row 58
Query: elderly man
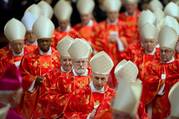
column 88, row 24
column 130, row 19
column 60, row 79
column 109, row 32
column 95, row 92
column 126, row 72
column 63, row 18
column 161, row 75
column 75, row 73
column 14, row 31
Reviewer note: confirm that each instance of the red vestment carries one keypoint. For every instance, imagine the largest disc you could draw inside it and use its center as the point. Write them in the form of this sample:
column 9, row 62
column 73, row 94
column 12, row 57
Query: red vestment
column 82, row 102
column 34, row 65
column 31, row 47
column 104, row 111
column 102, row 42
column 87, row 31
column 157, row 75
column 65, row 83
column 7, row 57
column 58, row 35
column 130, row 26
column 104, row 32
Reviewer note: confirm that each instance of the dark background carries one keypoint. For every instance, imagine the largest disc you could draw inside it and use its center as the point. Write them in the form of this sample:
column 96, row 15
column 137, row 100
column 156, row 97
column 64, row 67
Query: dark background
column 16, row 8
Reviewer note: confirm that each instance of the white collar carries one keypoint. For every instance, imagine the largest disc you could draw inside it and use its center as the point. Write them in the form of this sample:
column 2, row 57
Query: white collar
column 49, row 52
column 75, row 74
column 173, row 59
column 20, row 54
column 68, row 28
column 93, row 89
column 112, row 23
column 153, row 52
column 158, row 46
column 62, row 70
column 90, row 23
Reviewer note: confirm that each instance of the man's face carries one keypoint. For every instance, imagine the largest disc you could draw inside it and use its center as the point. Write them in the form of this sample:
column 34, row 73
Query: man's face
column 149, row 45
column 44, row 44
column 63, row 24
column 17, row 46
column 166, row 54
column 99, row 80
column 80, row 65
column 130, row 8
column 66, row 63
column 120, row 115
column 85, row 18
column 112, row 15
column 31, row 37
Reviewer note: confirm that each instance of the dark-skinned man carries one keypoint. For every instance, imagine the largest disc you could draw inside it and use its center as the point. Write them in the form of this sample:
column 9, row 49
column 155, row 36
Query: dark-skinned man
column 36, row 65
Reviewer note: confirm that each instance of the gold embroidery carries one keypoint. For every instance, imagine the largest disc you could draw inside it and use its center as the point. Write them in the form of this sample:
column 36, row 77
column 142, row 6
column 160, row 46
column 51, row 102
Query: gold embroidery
column 45, row 65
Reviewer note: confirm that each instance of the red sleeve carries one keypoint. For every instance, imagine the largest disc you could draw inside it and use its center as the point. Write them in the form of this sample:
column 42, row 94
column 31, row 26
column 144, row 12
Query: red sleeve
column 25, row 69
